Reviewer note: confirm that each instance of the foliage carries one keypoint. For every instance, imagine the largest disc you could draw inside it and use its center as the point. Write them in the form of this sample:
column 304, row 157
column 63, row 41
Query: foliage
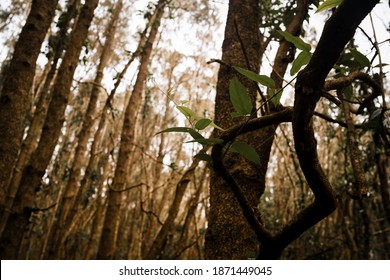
column 328, row 4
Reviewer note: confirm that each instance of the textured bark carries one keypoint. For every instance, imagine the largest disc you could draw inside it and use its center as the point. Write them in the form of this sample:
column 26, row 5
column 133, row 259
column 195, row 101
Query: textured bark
column 111, row 222
column 338, row 31
column 24, row 202
column 30, row 142
column 229, row 236
column 15, row 98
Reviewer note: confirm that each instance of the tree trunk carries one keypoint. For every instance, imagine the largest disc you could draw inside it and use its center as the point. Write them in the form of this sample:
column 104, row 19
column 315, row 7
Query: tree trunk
column 111, row 223
column 73, row 186
column 15, row 98
column 229, row 236
column 34, row 131
column 156, row 250
column 24, row 202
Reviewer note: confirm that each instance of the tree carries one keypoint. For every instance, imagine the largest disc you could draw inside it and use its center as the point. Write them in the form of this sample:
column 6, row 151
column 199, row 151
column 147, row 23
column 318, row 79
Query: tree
column 246, row 52
column 72, row 188
column 111, row 221
column 255, row 174
column 24, row 203
column 43, row 94
column 16, row 91
column 338, row 30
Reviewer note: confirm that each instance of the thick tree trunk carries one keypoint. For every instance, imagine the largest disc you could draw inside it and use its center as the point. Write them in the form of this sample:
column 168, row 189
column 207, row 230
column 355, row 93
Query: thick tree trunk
column 15, row 98
column 111, row 223
column 24, row 202
column 229, row 236
column 337, row 32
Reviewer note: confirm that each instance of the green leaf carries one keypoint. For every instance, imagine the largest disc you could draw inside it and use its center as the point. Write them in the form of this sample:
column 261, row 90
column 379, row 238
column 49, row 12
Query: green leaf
column 381, row 65
column 209, row 141
column 202, row 124
column 216, row 126
column 236, row 115
column 239, row 97
column 192, row 132
column 360, row 58
column 276, row 95
column 302, row 59
column 298, row 42
column 328, row 4
column 186, row 111
column 262, row 79
column 246, row 151
column 195, row 134
column 348, row 92
column 203, row 157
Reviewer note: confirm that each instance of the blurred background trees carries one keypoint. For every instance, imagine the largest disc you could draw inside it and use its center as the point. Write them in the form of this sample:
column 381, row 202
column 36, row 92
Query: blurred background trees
column 84, row 174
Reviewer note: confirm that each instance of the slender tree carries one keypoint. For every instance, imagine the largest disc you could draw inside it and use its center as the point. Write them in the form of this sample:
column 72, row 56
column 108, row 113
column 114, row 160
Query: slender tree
column 24, row 202
column 73, row 186
column 111, row 222
column 58, row 43
column 15, row 98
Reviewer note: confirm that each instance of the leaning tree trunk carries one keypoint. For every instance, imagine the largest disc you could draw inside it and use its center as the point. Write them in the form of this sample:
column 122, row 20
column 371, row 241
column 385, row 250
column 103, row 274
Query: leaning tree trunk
column 30, row 142
column 15, row 97
column 67, row 201
column 107, row 245
column 229, row 236
column 24, row 202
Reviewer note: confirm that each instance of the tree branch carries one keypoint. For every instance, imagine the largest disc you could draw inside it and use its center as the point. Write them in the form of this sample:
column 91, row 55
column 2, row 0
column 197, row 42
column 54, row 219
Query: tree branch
column 338, row 30
column 252, row 215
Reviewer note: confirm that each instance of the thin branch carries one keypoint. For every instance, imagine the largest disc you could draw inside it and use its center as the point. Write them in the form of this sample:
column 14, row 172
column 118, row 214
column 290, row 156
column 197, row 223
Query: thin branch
column 347, row 80
column 329, row 119
column 254, row 124
column 330, row 97
column 130, row 187
column 352, row 77
column 252, row 215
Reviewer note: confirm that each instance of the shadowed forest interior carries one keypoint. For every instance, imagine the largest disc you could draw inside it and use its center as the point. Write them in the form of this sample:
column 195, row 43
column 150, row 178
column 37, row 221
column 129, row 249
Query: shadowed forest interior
column 205, row 129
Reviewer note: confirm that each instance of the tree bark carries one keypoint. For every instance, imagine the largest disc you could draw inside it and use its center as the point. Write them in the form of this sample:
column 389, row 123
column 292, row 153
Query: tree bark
column 30, row 142
column 111, row 222
column 24, row 202
column 229, row 236
column 15, row 98
column 73, row 186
